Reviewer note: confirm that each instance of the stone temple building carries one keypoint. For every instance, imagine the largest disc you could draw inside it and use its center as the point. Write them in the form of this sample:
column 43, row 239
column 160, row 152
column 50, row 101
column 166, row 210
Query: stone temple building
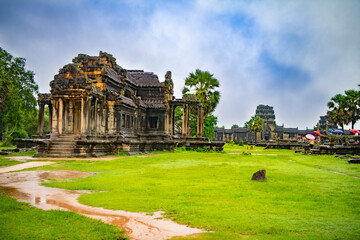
column 97, row 107
column 271, row 130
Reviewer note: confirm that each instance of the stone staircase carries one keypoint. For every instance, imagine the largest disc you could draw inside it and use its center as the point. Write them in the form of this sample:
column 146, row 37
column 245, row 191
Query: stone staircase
column 63, row 146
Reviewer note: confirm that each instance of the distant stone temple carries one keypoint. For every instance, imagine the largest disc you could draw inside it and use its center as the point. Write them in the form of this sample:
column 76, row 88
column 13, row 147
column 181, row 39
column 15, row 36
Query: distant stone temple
column 270, row 132
column 97, row 107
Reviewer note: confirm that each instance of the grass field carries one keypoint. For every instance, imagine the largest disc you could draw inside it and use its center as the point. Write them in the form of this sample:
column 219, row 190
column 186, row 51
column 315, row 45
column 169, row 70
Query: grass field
column 21, row 221
column 8, row 162
column 304, row 197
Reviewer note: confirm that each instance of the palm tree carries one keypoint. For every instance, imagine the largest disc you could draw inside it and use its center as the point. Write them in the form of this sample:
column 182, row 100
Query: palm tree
column 353, row 106
column 338, row 113
column 202, row 84
column 255, row 124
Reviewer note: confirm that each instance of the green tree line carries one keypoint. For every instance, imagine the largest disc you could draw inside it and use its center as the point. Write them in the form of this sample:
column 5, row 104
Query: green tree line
column 18, row 112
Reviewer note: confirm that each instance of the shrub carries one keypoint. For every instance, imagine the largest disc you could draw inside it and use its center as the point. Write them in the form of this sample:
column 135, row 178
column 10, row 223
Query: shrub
column 241, row 143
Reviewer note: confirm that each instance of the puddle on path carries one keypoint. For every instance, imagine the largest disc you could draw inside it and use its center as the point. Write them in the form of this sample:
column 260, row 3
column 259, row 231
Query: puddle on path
column 25, row 186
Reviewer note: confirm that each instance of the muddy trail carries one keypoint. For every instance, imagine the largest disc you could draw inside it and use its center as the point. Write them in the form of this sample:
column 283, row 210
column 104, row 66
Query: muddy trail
column 25, row 186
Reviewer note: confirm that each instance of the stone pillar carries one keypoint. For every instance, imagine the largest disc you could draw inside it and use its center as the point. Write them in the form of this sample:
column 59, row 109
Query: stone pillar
column 185, row 124
column 71, row 117
column 111, row 129
column 97, row 118
column 54, row 124
column 172, row 120
column 50, row 117
column 41, row 119
column 88, row 115
column 200, row 122
column 66, row 116
column 82, row 120
column 103, row 119
column 60, row 116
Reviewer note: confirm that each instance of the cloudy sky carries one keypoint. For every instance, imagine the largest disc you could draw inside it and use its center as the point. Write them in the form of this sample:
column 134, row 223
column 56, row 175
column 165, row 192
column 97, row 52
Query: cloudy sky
column 292, row 55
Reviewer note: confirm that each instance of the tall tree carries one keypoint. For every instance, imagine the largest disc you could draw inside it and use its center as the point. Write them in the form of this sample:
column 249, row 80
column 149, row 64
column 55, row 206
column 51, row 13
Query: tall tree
column 17, row 100
column 255, row 124
column 345, row 109
column 337, row 112
column 234, row 126
column 203, row 85
column 352, row 105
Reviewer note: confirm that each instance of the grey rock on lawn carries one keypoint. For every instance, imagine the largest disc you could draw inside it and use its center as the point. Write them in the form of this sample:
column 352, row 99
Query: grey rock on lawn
column 259, row 175
column 354, row 160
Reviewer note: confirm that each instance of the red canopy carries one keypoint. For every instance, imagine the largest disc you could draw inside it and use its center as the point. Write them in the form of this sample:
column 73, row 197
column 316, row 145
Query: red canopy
column 317, row 133
column 354, row 131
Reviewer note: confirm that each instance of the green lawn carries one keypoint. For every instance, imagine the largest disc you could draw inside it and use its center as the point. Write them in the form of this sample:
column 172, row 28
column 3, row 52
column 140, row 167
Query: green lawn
column 4, row 162
column 21, row 221
column 302, row 198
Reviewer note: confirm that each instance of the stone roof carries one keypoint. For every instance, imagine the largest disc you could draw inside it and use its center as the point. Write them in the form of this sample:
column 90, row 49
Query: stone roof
column 128, row 101
column 304, row 132
column 219, row 130
column 143, row 79
column 290, row 130
column 150, row 103
column 241, row 129
column 111, row 73
column 279, row 128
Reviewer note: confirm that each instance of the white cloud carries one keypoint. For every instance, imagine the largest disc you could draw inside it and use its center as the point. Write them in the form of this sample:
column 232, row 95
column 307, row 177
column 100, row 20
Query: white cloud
column 320, row 38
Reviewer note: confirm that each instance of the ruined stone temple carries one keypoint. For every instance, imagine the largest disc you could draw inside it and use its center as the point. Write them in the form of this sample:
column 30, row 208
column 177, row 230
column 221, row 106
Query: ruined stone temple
column 97, row 107
column 271, row 130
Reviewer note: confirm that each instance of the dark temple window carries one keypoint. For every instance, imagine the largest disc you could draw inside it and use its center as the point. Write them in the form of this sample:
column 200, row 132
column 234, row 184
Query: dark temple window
column 123, row 121
column 153, row 121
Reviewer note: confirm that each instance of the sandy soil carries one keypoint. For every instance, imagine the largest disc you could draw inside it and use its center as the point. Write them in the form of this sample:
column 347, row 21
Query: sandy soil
column 25, row 186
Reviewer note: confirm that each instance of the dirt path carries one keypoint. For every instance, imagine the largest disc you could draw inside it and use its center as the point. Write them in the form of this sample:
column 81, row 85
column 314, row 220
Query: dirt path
column 25, row 186
column 27, row 158
column 24, row 166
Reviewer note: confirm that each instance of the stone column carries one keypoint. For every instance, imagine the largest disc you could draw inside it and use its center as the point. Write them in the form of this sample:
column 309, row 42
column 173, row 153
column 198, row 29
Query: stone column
column 185, row 124
column 97, row 117
column 171, row 120
column 88, row 115
column 41, row 119
column 82, row 121
column 103, row 119
column 111, row 129
column 50, row 117
column 60, row 116
column 71, row 117
column 54, row 124
column 200, row 122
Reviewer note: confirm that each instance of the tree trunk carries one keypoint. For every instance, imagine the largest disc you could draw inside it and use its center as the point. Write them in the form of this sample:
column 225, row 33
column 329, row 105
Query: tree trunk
column 13, row 129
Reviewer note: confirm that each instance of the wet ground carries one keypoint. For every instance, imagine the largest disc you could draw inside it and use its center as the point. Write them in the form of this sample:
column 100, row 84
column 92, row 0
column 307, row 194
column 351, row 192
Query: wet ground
column 24, row 166
column 25, row 186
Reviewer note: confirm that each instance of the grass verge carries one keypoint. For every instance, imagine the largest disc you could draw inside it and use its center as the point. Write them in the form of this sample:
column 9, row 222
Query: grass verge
column 22, row 221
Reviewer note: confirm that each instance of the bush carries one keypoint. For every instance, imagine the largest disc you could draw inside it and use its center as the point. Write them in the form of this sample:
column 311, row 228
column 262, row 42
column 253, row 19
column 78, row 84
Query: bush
column 241, row 143
column 232, row 142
